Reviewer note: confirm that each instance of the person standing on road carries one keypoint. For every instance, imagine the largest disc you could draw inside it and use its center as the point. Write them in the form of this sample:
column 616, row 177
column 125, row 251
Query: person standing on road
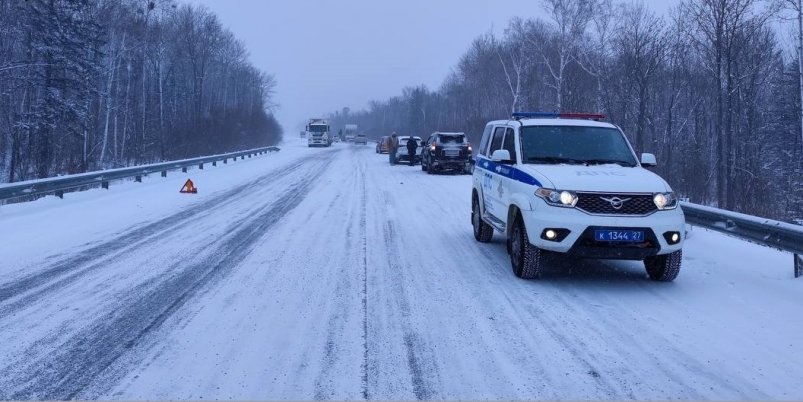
column 392, row 144
column 412, row 146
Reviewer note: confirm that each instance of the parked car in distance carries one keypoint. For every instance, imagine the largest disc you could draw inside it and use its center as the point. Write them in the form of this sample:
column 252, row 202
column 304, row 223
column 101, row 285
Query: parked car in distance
column 381, row 146
column 401, row 150
column 446, row 152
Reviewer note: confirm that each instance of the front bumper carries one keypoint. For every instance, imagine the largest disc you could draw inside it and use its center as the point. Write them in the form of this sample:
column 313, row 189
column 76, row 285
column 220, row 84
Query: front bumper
column 581, row 226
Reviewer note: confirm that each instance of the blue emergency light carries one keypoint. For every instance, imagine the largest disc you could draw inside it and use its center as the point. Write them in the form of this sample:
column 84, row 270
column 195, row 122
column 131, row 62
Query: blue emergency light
column 551, row 115
column 535, row 115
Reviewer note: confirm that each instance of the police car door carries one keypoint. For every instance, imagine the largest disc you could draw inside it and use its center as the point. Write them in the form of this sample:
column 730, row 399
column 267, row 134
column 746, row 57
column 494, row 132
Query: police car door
column 505, row 172
column 492, row 179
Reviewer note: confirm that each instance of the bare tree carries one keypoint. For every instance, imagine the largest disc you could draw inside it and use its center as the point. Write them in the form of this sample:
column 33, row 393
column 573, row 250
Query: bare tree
column 571, row 18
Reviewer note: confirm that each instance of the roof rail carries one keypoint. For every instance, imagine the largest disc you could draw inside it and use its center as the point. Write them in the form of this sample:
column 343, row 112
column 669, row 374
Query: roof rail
column 552, row 115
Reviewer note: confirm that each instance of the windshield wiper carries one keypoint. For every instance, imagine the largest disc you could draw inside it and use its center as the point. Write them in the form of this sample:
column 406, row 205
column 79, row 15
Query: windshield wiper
column 555, row 160
column 608, row 162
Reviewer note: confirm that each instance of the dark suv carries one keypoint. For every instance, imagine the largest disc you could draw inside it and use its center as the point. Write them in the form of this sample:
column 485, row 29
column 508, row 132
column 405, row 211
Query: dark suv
column 446, row 151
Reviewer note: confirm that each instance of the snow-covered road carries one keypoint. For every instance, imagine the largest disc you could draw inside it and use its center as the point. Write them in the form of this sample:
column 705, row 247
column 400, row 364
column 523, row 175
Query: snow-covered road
column 326, row 273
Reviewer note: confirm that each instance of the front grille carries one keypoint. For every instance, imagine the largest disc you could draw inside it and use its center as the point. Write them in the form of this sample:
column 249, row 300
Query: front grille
column 631, row 204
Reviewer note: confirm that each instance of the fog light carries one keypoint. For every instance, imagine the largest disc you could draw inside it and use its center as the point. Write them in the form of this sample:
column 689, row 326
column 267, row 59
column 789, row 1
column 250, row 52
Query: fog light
column 555, row 234
column 672, row 237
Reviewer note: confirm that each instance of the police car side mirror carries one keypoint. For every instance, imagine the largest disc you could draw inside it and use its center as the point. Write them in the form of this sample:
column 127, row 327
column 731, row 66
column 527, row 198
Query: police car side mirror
column 501, row 155
column 648, row 160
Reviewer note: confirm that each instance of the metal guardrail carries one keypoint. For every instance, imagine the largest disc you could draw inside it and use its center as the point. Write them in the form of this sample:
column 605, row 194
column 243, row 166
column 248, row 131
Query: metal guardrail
column 766, row 232
column 58, row 185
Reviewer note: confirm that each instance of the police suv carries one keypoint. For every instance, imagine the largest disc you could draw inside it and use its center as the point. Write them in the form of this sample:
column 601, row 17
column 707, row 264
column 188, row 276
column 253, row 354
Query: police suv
column 571, row 183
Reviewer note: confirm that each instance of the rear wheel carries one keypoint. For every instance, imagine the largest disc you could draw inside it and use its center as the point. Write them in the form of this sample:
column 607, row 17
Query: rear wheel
column 664, row 268
column 483, row 232
column 524, row 257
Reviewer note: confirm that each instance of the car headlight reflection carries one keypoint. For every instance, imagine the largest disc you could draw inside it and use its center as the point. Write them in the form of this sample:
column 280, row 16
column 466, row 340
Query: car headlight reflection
column 557, row 198
column 665, row 201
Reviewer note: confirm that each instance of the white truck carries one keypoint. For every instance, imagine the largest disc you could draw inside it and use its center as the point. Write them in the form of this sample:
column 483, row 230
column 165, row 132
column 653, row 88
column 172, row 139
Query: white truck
column 318, row 134
column 350, row 132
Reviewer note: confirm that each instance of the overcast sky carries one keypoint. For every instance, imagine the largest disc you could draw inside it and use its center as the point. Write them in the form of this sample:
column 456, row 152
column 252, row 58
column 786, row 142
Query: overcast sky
column 329, row 54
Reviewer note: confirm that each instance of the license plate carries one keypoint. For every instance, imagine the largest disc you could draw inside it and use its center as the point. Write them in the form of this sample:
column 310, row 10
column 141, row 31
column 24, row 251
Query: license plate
column 636, row 236
column 452, row 152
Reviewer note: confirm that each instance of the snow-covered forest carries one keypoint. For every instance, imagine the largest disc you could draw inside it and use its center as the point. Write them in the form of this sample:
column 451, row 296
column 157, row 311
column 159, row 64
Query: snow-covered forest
column 709, row 88
column 91, row 84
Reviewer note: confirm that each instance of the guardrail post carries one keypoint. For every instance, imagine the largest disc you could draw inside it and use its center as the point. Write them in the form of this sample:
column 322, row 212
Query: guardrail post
column 242, row 158
column 104, row 185
column 60, row 194
column 184, row 169
column 138, row 179
column 201, row 166
column 225, row 161
column 164, row 173
column 798, row 265
column 214, row 163
column 249, row 156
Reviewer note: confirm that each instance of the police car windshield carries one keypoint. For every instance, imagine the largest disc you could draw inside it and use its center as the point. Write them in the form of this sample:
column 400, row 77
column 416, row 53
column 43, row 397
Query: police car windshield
column 574, row 145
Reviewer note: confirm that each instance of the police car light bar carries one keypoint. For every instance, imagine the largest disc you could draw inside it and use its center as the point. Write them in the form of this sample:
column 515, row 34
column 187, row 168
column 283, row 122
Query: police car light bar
column 549, row 115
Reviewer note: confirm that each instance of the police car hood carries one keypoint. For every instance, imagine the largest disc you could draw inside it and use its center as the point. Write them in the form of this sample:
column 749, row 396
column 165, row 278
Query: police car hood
column 599, row 178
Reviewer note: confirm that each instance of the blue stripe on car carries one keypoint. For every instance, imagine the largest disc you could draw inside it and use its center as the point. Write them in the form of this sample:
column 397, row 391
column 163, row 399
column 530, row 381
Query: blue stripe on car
column 507, row 171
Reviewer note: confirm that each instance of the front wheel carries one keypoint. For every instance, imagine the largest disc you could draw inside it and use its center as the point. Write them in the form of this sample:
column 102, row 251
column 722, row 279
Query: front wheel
column 524, row 257
column 664, row 268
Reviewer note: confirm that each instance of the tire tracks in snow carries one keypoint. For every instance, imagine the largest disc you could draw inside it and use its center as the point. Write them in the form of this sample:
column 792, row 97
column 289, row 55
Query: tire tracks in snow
column 27, row 290
column 364, row 235
column 344, row 286
column 419, row 358
column 612, row 386
column 351, row 287
column 85, row 356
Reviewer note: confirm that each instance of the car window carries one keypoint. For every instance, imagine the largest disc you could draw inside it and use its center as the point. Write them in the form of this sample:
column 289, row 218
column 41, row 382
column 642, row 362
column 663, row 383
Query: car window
column 486, row 136
column 510, row 143
column 452, row 139
column 496, row 142
column 575, row 144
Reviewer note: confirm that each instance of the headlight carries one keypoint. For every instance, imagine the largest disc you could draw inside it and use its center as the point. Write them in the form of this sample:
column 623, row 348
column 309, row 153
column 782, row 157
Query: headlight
column 665, row 201
column 557, row 198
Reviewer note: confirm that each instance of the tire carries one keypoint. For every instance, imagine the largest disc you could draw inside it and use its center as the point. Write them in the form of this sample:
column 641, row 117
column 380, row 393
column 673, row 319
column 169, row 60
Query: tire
column 525, row 258
column 664, row 268
column 483, row 232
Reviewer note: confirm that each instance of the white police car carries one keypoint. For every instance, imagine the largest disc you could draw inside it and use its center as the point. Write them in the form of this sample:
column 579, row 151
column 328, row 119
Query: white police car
column 570, row 183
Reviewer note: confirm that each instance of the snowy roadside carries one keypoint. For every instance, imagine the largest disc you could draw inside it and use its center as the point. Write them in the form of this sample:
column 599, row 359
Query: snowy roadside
column 48, row 227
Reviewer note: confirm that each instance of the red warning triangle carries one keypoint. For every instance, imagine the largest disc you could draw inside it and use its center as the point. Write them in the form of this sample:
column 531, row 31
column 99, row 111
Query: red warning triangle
column 189, row 187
